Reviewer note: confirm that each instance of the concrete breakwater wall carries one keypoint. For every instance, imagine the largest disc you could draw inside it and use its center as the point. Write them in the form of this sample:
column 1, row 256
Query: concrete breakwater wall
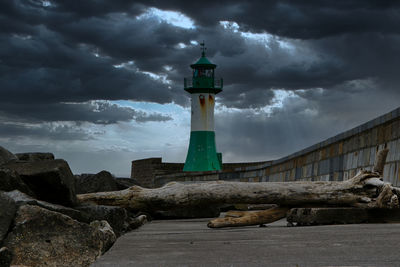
column 149, row 172
column 335, row 159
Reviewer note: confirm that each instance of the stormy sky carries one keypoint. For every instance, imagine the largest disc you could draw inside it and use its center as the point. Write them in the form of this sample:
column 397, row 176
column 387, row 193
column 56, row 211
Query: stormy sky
column 100, row 83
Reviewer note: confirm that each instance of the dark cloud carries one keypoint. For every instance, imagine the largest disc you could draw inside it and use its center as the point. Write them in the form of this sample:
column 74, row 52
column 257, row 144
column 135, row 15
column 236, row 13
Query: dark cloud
column 43, row 69
column 234, row 96
column 54, row 60
column 61, row 61
column 48, row 131
column 98, row 112
column 302, row 19
column 96, row 8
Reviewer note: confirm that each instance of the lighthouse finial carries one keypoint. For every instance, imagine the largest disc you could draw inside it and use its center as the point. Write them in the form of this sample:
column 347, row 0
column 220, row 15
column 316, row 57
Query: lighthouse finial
column 203, row 49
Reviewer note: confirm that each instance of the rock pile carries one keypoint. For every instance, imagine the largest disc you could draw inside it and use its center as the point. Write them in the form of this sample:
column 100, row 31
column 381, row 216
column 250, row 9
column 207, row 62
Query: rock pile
column 101, row 182
column 41, row 223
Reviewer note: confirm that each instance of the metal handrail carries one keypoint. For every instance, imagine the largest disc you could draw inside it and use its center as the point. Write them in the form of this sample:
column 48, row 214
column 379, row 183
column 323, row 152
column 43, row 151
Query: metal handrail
column 218, row 83
column 188, row 82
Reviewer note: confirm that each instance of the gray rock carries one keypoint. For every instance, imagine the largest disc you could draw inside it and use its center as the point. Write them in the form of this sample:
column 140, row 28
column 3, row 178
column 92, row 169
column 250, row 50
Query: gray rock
column 91, row 183
column 21, row 199
column 6, row 156
column 45, row 238
column 50, row 180
column 5, row 257
column 33, row 157
column 10, row 180
column 108, row 235
column 7, row 213
column 137, row 222
column 117, row 217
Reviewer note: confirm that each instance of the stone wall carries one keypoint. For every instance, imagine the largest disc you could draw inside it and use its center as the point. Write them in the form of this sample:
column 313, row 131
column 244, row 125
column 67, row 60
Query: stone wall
column 335, row 159
column 340, row 157
column 145, row 171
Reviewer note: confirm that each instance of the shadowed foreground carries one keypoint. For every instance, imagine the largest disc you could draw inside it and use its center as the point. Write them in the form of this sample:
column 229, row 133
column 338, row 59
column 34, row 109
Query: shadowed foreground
column 191, row 243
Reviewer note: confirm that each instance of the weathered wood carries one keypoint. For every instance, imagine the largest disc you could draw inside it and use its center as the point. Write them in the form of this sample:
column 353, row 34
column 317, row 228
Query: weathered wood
column 387, row 198
column 362, row 190
column 246, row 207
column 235, row 213
column 247, row 218
column 380, row 161
column 365, row 190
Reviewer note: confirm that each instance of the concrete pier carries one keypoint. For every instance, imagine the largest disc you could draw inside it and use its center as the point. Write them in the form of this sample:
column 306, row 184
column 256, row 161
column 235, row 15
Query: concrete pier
column 191, row 243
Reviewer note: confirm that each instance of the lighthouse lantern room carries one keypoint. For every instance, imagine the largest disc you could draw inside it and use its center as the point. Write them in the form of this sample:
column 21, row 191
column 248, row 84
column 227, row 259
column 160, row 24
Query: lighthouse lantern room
column 202, row 154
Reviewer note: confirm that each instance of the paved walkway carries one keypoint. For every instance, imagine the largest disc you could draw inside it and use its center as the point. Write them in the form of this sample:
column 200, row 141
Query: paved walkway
column 191, row 243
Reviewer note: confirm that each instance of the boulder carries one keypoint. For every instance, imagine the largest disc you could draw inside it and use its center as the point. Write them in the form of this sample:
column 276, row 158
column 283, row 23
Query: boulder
column 6, row 156
column 5, row 257
column 33, row 157
column 21, row 199
column 107, row 236
column 50, row 180
column 91, row 183
column 10, row 180
column 136, row 222
column 117, row 217
column 7, row 213
column 45, row 238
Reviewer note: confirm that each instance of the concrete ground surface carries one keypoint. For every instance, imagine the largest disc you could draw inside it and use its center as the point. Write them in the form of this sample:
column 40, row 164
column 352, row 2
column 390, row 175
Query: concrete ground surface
column 191, row 243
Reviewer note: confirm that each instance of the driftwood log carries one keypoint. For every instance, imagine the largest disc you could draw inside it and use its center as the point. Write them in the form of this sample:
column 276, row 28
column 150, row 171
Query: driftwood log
column 246, row 218
column 365, row 190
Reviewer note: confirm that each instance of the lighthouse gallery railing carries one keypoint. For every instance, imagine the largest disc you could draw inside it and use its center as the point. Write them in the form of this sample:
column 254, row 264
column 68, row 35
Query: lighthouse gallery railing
column 188, row 83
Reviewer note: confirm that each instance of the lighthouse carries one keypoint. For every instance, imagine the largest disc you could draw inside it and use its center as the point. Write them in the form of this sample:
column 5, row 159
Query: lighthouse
column 203, row 86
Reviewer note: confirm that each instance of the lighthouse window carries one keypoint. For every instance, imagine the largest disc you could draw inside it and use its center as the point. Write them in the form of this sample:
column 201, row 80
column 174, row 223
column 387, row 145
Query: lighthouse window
column 209, row 73
column 203, row 73
column 198, row 73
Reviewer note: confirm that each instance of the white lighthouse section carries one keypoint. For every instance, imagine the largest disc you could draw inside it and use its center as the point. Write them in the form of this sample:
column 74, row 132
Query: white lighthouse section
column 202, row 118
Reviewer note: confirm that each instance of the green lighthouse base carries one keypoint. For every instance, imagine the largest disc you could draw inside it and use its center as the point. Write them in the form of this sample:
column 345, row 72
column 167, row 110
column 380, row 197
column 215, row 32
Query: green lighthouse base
column 202, row 154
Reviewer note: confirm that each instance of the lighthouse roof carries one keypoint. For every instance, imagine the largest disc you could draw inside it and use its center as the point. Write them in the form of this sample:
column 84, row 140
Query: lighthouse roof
column 203, row 62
